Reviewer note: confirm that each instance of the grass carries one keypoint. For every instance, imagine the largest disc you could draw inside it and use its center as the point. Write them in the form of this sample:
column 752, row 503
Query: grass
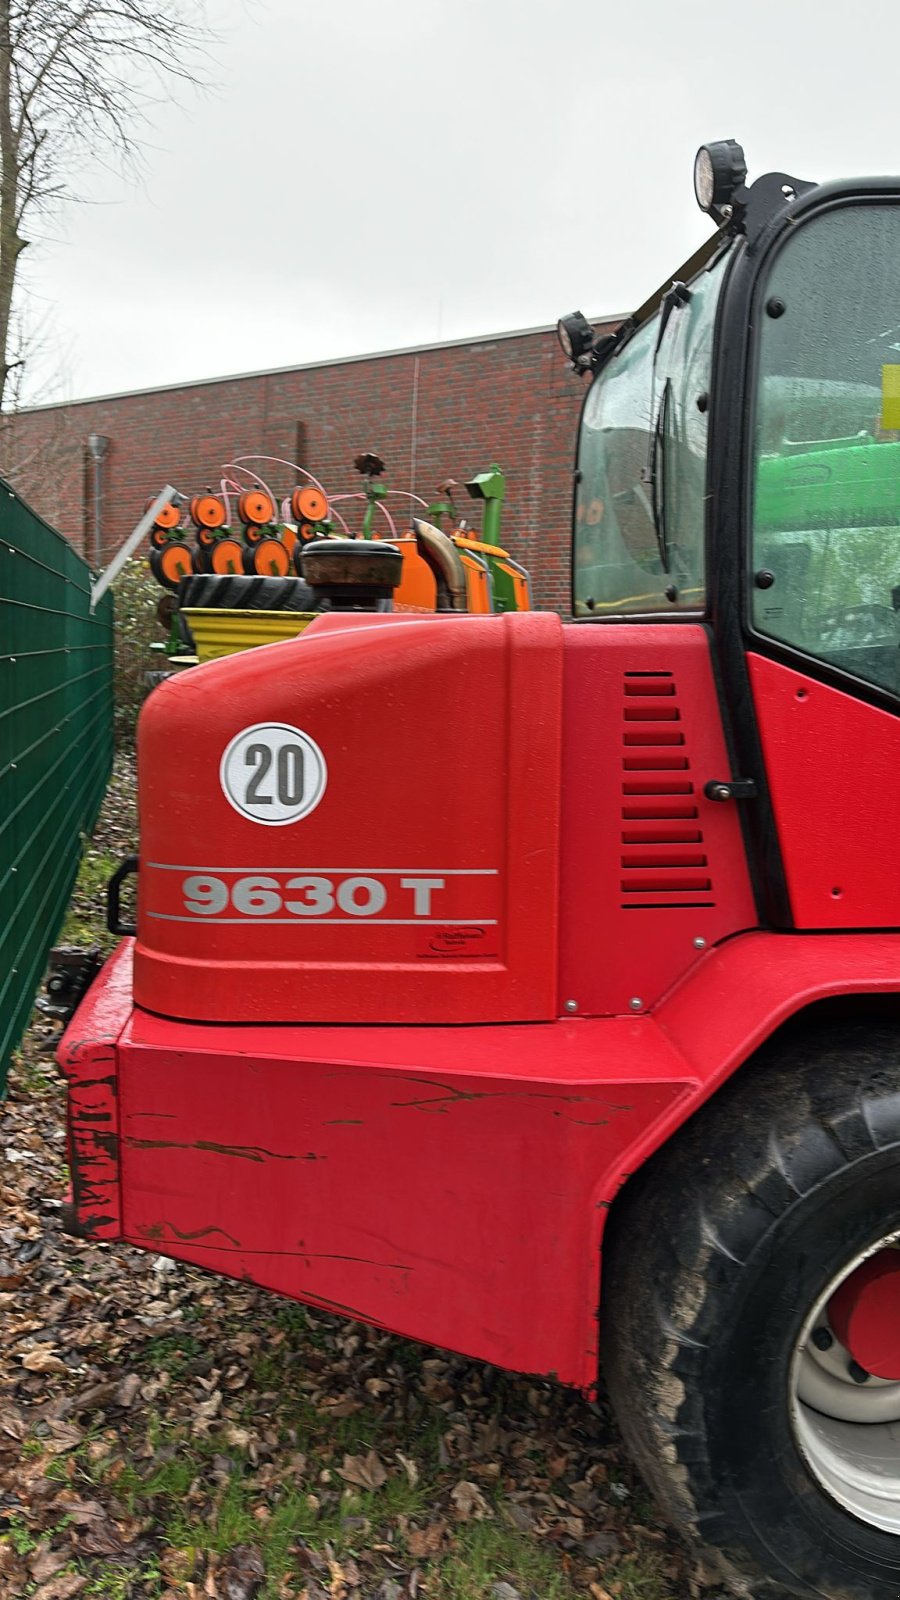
column 275, row 1521
column 205, row 1495
column 643, row 1578
column 117, row 1582
column 170, row 1352
column 28, row 1075
column 20, row 1537
column 320, row 1512
column 85, row 924
column 486, row 1553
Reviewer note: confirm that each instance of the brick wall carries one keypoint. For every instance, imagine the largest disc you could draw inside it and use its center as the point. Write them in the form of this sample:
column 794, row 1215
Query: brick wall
column 443, row 411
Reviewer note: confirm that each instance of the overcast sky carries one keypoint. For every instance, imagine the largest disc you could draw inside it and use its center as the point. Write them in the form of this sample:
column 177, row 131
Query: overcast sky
column 362, row 176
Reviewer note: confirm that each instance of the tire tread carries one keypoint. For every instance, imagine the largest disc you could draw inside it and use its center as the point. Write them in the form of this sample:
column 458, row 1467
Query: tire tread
column 806, row 1107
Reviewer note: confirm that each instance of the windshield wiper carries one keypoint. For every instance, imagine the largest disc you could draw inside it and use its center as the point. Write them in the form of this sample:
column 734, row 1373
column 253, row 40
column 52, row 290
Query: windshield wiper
column 674, row 299
column 677, row 296
column 654, row 474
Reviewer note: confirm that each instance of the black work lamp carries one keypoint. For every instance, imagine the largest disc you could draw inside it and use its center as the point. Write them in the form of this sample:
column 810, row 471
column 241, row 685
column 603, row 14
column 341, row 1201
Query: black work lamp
column 575, row 335
column 719, row 171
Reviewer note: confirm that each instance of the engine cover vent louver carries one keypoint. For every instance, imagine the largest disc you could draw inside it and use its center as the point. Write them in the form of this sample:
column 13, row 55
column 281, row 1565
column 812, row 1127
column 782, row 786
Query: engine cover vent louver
column 663, row 856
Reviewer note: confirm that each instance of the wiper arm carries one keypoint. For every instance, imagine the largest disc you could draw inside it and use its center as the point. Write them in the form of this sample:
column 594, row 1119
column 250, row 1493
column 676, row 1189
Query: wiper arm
column 653, row 474
column 675, row 298
column 678, row 295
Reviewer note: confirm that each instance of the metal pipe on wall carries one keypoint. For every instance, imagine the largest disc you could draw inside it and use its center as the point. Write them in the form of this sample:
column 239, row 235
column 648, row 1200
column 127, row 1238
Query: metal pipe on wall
column 98, row 445
column 414, row 427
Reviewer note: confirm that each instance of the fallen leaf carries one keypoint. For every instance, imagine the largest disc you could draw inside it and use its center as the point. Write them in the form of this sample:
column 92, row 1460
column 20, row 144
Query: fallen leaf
column 377, row 1387
column 177, row 1565
column 469, row 1502
column 81, row 1512
column 127, row 1390
column 409, row 1467
column 241, row 1438
column 364, row 1472
column 42, row 1360
column 61, row 1588
column 12, row 1423
column 349, row 1572
column 98, row 1396
column 63, row 1436
column 44, row 1562
column 425, row 1542
column 102, row 1539
column 339, row 1406
column 242, row 1573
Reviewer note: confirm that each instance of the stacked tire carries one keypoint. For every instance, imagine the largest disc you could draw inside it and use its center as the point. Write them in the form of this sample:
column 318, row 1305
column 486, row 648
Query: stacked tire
column 238, row 592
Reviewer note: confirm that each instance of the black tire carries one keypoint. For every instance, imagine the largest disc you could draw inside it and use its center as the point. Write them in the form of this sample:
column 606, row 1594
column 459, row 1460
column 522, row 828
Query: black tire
column 237, row 592
column 717, row 1254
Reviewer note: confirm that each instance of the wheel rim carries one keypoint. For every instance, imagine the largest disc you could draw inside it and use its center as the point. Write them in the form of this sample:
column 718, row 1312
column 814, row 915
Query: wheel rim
column 848, row 1428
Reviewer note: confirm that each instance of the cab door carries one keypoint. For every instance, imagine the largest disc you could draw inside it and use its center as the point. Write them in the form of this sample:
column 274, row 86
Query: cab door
column 823, row 549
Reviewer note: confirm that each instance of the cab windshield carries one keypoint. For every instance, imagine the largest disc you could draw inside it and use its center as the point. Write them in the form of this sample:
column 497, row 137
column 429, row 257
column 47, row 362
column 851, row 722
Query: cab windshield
column 826, row 509
column 641, row 485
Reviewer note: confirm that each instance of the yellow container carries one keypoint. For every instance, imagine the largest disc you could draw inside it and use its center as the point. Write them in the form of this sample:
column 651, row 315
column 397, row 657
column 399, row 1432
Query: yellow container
column 223, row 633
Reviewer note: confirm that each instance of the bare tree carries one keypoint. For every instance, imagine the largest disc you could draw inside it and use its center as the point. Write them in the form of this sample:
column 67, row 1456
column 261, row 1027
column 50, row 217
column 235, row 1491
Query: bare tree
column 75, row 76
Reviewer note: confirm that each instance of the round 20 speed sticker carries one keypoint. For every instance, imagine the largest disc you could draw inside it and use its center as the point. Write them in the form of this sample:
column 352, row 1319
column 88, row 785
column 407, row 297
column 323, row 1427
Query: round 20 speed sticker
column 273, row 773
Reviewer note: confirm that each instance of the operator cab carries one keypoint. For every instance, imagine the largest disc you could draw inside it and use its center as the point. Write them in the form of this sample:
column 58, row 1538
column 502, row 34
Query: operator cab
column 739, row 447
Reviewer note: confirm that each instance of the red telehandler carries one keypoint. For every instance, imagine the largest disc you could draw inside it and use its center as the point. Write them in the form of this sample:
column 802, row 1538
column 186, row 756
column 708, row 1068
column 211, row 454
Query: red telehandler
column 530, row 989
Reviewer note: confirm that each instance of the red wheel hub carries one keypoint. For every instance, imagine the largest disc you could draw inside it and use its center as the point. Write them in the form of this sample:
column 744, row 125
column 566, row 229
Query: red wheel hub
column 865, row 1314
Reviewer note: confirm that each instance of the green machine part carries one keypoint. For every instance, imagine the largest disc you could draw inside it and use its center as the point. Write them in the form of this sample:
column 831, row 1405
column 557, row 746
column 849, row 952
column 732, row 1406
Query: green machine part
column 845, row 484
column 504, row 572
column 374, row 492
column 490, row 487
column 438, row 510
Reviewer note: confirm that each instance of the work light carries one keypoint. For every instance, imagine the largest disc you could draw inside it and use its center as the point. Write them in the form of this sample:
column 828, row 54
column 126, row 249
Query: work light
column 719, row 170
column 575, row 335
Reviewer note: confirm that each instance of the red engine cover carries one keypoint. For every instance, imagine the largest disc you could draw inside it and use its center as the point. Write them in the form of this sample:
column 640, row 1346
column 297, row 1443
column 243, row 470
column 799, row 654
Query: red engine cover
column 357, row 826
column 652, row 872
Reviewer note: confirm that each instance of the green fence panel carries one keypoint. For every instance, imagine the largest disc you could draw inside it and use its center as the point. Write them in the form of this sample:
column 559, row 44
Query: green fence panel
column 56, row 739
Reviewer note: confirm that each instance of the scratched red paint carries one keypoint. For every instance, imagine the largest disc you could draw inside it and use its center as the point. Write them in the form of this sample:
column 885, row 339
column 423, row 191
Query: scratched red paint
column 87, row 1056
column 450, row 1184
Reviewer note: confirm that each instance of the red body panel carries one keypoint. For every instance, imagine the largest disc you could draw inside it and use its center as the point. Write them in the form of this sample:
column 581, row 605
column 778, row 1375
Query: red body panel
column 649, row 866
column 451, row 1184
column 442, row 743
column 832, row 764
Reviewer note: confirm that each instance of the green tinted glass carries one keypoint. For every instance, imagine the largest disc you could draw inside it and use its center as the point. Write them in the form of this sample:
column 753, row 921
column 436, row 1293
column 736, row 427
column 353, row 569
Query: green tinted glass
column 826, row 515
column 640, row 503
